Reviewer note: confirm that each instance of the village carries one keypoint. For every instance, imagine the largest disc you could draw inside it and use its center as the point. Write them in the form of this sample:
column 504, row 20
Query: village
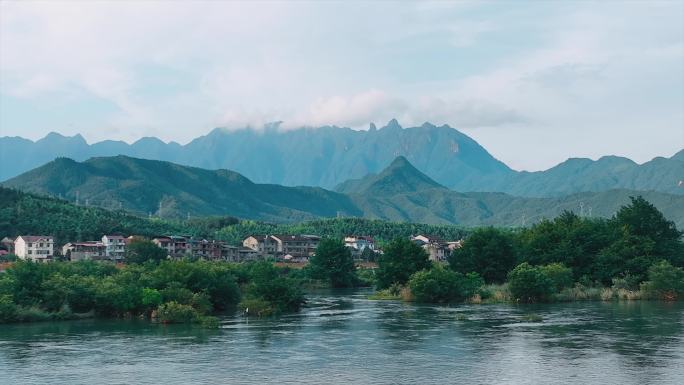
column 295, row 249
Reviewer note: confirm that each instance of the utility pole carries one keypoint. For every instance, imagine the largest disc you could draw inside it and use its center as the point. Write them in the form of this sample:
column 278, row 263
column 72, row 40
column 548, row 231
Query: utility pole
column 581, row 209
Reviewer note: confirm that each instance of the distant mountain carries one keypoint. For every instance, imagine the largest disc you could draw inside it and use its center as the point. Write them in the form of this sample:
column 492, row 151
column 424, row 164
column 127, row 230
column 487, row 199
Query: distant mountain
column 170, row 190
column 324, row 156
column 400, row 192
column 388, row 196
column 328, row 156
column 609, row 172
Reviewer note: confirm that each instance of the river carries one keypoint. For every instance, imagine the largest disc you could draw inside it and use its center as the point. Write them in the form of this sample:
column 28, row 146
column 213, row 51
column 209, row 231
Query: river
column 343, row 338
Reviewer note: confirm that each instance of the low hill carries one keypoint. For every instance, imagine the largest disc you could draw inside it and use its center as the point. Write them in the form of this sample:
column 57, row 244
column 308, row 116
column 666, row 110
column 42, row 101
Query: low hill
column 172, row 191
column 22, row 213
column 399, row 193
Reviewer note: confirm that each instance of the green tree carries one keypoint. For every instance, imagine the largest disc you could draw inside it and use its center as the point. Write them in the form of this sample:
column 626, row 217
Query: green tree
column 282, row 293
column 560, row 275
column 439, row 285
column 488, row 252
column 401, row 258
column 528, row 283
column 8, row 309
column 665, row 280
column 140, row 251
column 333, row 262
column 151, row 298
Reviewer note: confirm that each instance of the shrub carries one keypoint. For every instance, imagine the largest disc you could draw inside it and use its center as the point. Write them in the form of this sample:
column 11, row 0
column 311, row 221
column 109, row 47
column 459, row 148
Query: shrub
column 560, row 275
column 439, row 285
column 529, row 283
column 665, row 280
column 256, row 307
column 8, row 309
column 174, row 312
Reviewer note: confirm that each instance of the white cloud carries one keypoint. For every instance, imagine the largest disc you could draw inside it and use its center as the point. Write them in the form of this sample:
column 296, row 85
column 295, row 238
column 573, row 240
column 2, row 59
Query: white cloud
column 563, row 79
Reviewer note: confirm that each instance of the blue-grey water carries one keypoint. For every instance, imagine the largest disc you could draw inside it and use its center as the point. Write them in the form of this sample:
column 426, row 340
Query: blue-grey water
column 343, row 338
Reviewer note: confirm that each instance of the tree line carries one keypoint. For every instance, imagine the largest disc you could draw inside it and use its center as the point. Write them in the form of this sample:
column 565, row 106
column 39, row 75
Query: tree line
column 637, row 249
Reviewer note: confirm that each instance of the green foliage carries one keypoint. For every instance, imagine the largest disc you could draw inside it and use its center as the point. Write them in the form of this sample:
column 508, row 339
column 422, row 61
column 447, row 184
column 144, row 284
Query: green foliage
column 560, row 275
column 8, row 258
column 141, row 251
column 282, row 293
column 256, row 307
column 174, row 312
column 529, row 283
column 488, row 252
column 401, row 258
column 8, row 309
column 666, row 280
column 151, row 298
column 382, row 231
column 439, row 285
column 22, row 213
column 62, row 290
column 333, row 262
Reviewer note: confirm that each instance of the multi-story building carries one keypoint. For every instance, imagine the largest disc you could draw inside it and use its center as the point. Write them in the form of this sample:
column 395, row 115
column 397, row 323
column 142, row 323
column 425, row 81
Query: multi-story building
column 78, row 251
column 37, row 248
column 299, row 247
column 166, row 244
column 264, row 244
column 205, row 249
column 115, row 247
column 437, row 249
column 357, row 244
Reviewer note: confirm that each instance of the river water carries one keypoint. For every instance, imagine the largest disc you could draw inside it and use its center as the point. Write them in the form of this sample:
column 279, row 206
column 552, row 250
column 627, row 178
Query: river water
column 343, row 338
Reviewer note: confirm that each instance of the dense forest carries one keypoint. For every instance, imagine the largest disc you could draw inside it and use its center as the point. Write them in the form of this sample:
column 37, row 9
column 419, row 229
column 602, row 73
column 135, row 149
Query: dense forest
column 23, row 213
column 637, row 253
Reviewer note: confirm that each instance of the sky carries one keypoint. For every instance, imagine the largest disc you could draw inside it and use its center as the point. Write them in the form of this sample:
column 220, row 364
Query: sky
column 533, row 82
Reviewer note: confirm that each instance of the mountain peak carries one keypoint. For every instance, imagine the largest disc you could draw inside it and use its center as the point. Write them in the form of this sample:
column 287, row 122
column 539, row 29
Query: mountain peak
column 400, row 161
column 400, row 177
column 393, row 125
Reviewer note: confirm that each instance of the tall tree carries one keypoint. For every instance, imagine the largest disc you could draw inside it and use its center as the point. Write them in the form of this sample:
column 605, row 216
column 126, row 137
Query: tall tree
column 141, row 251
column 401, row 258
column 488, row 252
column 333, row 262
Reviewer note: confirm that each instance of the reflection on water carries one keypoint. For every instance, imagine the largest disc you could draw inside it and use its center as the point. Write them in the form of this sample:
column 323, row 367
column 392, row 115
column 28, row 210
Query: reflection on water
column 342, row 338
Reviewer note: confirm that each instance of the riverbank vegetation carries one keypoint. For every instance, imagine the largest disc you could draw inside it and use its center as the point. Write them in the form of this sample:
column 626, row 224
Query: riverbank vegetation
column 168, row 291
column 637, row 254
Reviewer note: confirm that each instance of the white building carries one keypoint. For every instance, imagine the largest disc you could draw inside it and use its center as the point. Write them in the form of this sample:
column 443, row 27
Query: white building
column 359, row 242
column 79, row 251
column 437, row 249
column 37, row 248
column 115, row 246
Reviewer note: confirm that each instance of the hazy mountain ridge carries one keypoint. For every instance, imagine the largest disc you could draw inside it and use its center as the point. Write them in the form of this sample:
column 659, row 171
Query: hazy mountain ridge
column 330, row 156
column 399, row 193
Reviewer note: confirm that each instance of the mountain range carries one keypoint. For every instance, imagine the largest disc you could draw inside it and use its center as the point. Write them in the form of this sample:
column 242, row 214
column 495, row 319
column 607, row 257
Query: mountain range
column 400, row 192
column 328, row 156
